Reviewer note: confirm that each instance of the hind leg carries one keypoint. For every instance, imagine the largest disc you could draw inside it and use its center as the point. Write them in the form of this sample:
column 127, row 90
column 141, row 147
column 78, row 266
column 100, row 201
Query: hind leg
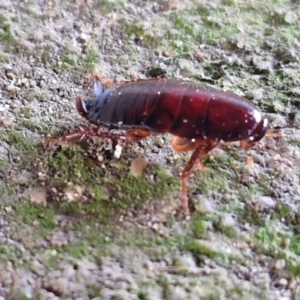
column 200, row 147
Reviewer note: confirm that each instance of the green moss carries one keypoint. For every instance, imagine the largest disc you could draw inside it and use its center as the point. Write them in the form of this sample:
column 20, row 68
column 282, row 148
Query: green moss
column 198, row 226
column 14, row 138
column 270, row 238
column 3, row 163
column 31, row 213
column 283, row 211
column 34, row 126
column 295, row 244
column 67, row 61
column 17, row 295
column 2, row 20
column 200, row 251
column 108, row 190
column 229, row 231
column 208, row 181
column 252, row 216
column 5, row 34
column 143, row 295
column 90, row 59
column 135, row 189
column 227, row 25
column 296, row 270
column 27, row 10
column 77, row 250
column 94, row 291
column 107, row 7
column 3, row 250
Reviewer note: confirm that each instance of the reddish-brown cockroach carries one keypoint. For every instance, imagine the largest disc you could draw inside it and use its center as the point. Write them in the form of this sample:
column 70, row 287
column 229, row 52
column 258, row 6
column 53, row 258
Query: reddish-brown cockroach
column 197, row 116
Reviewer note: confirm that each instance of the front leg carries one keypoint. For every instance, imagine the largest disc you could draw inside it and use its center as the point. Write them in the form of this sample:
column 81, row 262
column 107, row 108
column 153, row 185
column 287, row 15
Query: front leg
column 86, row 133
column 132, row 135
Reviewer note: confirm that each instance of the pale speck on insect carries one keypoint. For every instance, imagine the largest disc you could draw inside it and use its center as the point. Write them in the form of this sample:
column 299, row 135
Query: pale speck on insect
column 184, row 120
column 120, row 123
column 257, row 116
column 193, row 140
column 158, row 92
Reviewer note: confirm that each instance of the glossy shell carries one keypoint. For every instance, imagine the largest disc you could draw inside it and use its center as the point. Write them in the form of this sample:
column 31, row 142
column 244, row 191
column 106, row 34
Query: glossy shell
column 181, row 108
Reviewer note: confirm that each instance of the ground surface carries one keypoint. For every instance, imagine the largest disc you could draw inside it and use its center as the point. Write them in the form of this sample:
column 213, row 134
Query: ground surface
column 76, row 224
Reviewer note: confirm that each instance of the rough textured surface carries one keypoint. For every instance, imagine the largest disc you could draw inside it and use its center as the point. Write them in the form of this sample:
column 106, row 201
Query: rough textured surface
column 77, row 223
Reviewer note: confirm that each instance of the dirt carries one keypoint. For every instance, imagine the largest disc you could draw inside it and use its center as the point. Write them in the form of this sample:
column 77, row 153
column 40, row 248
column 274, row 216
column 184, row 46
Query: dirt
column 77, row 223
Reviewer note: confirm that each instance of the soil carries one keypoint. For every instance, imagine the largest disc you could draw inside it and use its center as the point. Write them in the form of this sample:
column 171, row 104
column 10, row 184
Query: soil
column 98, row 219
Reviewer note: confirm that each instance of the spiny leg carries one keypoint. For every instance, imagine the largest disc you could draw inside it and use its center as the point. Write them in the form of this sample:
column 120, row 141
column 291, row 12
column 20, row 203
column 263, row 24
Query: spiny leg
column 201, row 147
column 86, row 133
column 132, row 135
column 198, row 153
column 200, row 166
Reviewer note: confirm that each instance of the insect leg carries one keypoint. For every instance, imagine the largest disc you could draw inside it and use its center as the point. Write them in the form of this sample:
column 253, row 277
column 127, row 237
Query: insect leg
column 86, row 133
column 99, row 78
column 201, row 147
column 137, row 134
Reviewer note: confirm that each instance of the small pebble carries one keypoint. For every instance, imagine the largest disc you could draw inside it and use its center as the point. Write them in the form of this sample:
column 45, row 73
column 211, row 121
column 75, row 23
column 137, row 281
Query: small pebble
column 9, row 73
column 280, row 264
column 138, row 166
column 204, row 206
column 6, row 122
column 62, row 286
column 283, row 281
column 227, row 221
column 37, row 195
column 118, row 151
column 264, row 202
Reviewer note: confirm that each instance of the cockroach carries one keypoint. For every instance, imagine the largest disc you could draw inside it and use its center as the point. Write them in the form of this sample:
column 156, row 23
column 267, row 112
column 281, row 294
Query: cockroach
column 198, row 117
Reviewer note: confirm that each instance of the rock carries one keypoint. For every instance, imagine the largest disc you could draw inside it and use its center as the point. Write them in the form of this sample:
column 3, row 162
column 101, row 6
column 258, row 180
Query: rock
column 256, row 94
column 62, row 286
column 283, row 282
column 280, row 264
column 118, row 151
column 37, row 195
column 203, row 205
column 186, row 67
column 9, row 73
column 187, row 262
column 177, row 293
column 264, row 202
column 6, row 122
column 227, row 221
column 138, row 166
column 84, row 38
column 291, row 17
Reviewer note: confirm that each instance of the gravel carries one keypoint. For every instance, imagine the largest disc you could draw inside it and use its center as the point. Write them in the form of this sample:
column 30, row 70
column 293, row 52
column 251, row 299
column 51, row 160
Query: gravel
column 241, row 243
